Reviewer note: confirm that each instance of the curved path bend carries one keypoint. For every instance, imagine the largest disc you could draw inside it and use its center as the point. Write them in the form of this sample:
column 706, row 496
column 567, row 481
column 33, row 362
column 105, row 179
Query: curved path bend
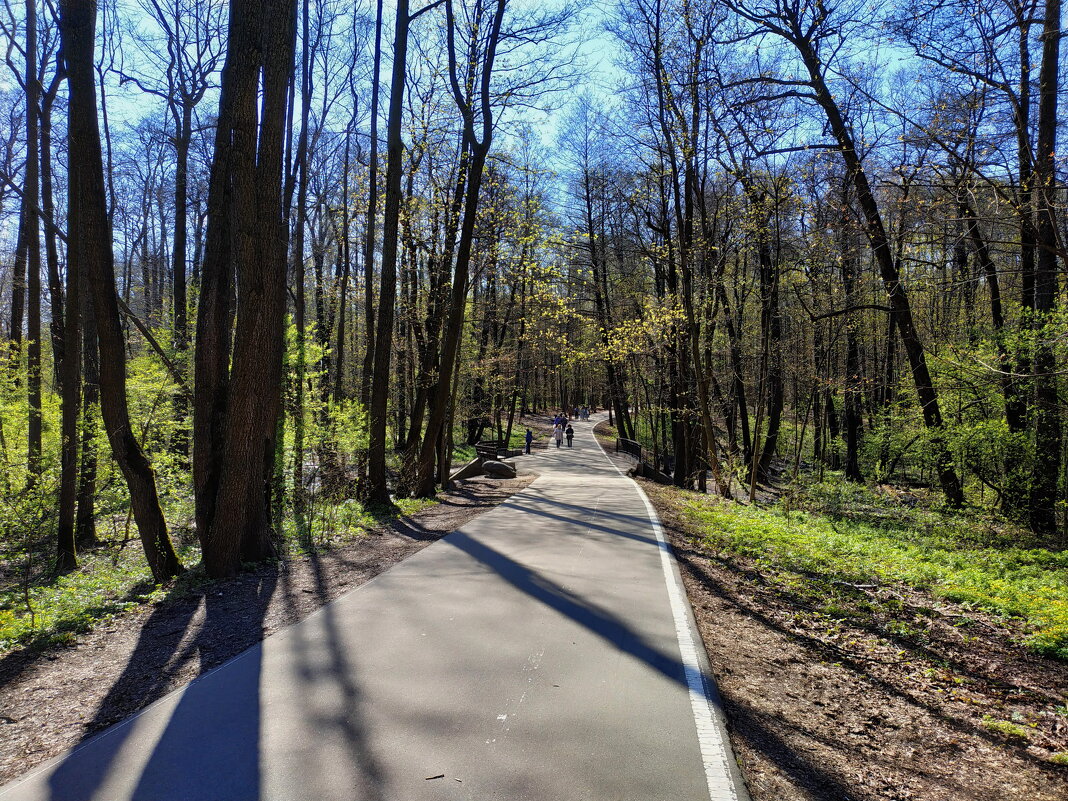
column 543, row 652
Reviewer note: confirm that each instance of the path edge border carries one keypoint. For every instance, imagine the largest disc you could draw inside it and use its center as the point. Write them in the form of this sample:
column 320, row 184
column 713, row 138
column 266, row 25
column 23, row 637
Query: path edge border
column 709, row 716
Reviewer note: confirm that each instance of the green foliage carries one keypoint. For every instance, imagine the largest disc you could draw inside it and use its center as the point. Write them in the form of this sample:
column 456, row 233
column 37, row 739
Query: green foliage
column 333, row 524
column 849, row 534
column 1006, row 729
column 106, row 584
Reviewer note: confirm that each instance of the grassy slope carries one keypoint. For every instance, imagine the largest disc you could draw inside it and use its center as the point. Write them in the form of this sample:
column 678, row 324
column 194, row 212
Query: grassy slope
column 833, row 535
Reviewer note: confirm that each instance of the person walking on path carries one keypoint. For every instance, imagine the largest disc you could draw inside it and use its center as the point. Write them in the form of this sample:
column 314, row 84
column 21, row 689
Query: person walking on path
column 529, row 439
column 558, row 434
column 569, row 432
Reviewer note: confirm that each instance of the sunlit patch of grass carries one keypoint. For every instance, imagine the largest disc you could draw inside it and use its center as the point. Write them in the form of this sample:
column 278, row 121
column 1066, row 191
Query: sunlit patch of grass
column 105, row 584
column 941, row 552
column 1005, row 728
column 334, row 523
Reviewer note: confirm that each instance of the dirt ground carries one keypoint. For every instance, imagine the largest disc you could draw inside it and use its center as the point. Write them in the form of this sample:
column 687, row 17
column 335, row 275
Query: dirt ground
column 51, row 700
column 824, row 710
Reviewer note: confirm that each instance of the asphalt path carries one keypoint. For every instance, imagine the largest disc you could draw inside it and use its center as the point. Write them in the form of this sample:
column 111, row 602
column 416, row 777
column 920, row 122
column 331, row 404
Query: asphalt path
column 543, row 652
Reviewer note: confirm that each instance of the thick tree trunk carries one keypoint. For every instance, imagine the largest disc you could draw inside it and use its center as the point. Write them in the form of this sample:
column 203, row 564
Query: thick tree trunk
column 236, row 413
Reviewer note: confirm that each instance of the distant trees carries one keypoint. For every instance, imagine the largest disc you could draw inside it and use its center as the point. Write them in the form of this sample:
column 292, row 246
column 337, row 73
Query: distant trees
column 919, row 179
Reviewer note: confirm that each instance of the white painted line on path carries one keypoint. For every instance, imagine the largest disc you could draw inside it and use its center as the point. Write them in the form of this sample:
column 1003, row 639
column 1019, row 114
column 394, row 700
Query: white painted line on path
column 714, row 750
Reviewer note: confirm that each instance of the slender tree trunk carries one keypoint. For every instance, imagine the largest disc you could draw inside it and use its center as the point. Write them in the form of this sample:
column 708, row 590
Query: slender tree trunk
column 18, row 292
column 372, row 216
column 85, row 526
column 895, row 290
column 453, row 333
column 854, row 380
column 1047, row 408
column 346, row 271
column 377, row 488
column 180, row 296
column 33, row 249
column 772, row 331
column 55, row 283
column 90, row 244
column 71, row 408
column 299, row 300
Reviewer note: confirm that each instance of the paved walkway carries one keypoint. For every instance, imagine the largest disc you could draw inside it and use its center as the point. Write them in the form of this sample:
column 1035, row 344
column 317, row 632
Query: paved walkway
column 543, row 652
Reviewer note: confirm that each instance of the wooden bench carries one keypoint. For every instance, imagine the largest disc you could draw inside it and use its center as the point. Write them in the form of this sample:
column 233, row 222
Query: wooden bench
column 487, row 448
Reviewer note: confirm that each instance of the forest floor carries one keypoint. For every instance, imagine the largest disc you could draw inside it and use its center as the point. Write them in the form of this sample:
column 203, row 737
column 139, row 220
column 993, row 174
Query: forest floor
column 914, row 697
column 51, row 698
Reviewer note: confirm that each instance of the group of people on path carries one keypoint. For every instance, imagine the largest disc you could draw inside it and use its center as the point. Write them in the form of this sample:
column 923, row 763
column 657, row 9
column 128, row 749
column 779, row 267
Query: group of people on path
column 561, row 430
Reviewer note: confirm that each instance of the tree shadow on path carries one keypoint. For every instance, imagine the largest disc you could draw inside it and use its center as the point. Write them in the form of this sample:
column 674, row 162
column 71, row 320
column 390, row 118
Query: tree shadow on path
column 210, row 745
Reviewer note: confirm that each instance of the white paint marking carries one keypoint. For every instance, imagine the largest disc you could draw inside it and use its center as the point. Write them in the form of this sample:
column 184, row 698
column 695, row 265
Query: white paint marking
column 714, row 750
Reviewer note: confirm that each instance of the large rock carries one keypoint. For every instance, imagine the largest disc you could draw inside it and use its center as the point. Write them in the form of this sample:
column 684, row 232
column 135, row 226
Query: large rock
column 497, row 469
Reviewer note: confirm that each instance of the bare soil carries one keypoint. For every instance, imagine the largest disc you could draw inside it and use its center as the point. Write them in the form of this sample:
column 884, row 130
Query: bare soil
column 51, row 700
column 825, row 709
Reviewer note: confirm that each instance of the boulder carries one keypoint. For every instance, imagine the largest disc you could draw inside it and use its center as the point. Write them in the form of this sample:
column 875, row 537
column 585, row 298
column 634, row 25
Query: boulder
column 497, row 469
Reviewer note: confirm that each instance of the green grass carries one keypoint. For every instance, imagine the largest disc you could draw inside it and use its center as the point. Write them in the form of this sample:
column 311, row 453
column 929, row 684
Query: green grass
column 112, row 580
column 105, row 584
column 1006, row 729
column 867, row 540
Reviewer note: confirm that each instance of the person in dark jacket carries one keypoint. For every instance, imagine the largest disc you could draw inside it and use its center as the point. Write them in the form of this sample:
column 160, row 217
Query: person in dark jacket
column 569, row 432
column 529, row 438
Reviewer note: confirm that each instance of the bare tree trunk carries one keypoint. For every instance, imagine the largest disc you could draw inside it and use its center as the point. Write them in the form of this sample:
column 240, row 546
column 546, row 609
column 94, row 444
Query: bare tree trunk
column 71, row 394
column 1047, row 408
column 377, row 488
column 90, row 244
column 299, row 300
column 18, row 293
column 180, row 297
column 895, row 290
column 346, row 271
column 55, row 283
column 236, row 413
column 33, row 249
column 85, row 525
